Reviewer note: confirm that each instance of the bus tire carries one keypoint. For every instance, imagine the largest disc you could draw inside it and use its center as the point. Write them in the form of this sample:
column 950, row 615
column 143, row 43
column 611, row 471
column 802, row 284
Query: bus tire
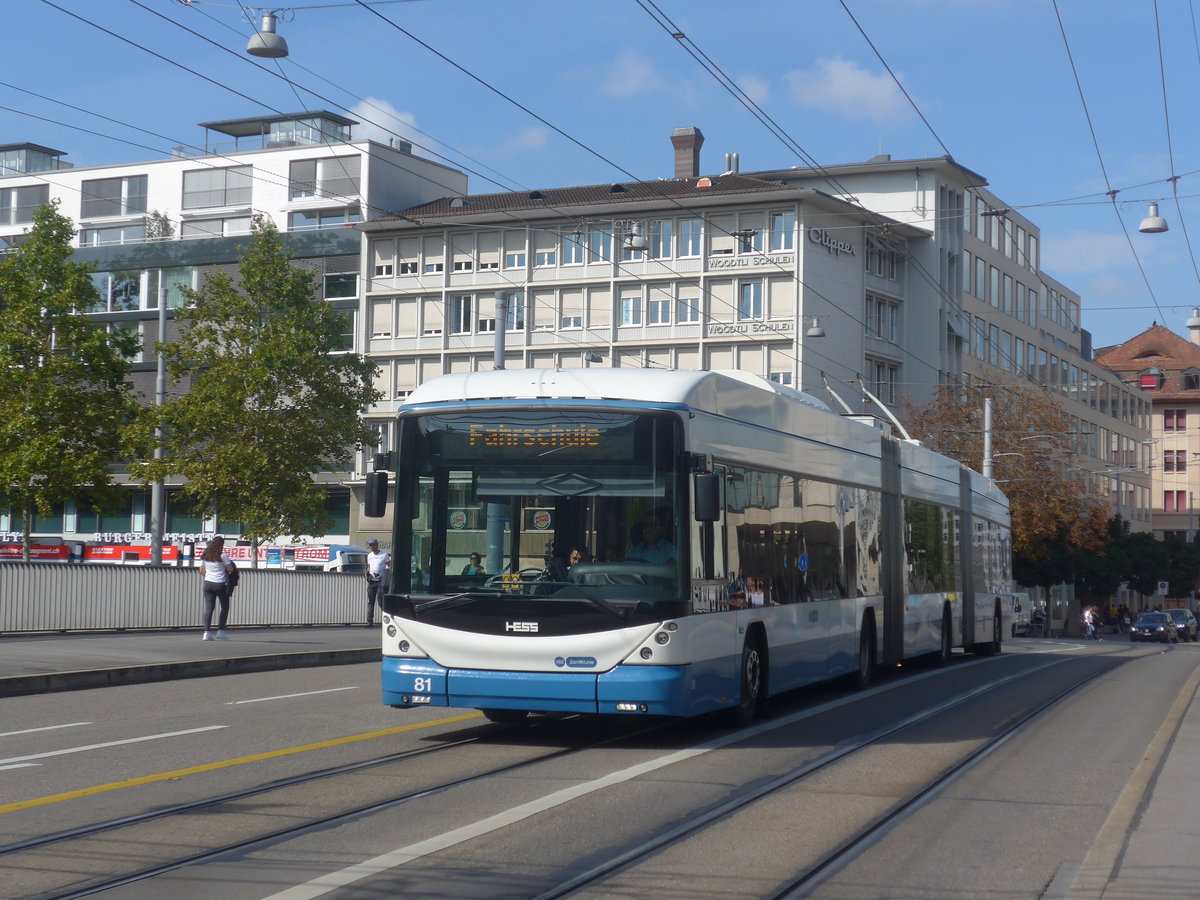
column 750, row 684
column 865, row 675
column 995, row 645
column 946, row 640
column 505, row 716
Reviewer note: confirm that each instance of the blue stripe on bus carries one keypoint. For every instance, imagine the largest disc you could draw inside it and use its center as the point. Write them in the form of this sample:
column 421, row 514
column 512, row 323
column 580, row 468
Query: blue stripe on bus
column 662, row 690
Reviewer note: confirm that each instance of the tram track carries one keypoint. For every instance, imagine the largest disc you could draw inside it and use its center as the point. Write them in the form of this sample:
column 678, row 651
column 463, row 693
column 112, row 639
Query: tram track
column 831, row 861
column 14, row 855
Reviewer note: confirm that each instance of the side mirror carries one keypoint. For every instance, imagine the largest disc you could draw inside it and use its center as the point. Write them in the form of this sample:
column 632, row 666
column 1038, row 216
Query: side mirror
column 375, row 497
column 706, row 486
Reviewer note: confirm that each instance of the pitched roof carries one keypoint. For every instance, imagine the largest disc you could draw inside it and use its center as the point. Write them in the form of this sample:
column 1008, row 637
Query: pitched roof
column 1156, row 348
column 554, row 200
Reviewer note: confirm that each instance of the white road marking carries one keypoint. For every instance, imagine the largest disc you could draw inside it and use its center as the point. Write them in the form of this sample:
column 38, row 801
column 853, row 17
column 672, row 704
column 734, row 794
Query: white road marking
column 46, row 728
column 331, row 881
column 289, row 696
column 148, row 737
column 20, row 766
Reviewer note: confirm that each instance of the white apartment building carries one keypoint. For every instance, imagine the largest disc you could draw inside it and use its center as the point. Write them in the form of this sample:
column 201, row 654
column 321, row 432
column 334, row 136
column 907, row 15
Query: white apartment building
column 980, row 265
column 152, row 226
column 895, row 275
column 696, row 272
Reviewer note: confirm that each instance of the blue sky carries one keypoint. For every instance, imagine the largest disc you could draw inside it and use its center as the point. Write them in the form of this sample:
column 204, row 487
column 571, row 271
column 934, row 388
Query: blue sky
column 991, row 77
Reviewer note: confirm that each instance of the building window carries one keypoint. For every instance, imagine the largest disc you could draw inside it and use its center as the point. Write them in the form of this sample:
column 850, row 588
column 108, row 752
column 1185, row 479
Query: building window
column 881, row 319
column 17, row 205
column 460, row 314
column 687, row 309
column 689, row 237
column 113, row 196
column 434, row 268
column 514, row 260
column 545, row 258
column 782, row 226
column 882, row 258
column 118, row 234
column 1174, row 460
column 784, row 378
column 1151, row 380
column 464, row 265
column 408, row 268
column 335, row 178
column 658, row 312
column 514, row 319
column 1175, row 501
column 1190, row 380
column 230, row 186
column 884, row 376
column 572, row 248
column 600, row 245
column 749, row 240
column 660, row 239
column 207, row 228
column 323, row 218
column 750, row 300
column 341, row 285
column 117, row 291
column 1174, row 420
column 631, row 310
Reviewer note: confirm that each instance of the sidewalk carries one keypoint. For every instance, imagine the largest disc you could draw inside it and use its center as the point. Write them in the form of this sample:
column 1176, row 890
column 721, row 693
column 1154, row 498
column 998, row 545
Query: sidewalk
column 39, row 663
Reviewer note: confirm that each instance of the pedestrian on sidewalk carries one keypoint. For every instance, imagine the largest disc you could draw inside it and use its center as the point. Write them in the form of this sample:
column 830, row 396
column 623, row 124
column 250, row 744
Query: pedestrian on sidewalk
column 379, row 563
column 216, row 566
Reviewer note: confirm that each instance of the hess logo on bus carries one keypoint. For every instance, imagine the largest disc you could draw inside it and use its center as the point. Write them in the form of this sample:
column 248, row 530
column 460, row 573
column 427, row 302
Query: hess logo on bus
column 521, row 627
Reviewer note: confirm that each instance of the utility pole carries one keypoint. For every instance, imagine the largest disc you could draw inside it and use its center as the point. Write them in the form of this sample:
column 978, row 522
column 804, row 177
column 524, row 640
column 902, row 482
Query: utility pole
column 157, row 489
column 497, row 513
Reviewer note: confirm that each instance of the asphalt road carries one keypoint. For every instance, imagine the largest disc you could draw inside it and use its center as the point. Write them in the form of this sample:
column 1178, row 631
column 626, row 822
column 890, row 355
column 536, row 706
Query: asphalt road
column 569, row 793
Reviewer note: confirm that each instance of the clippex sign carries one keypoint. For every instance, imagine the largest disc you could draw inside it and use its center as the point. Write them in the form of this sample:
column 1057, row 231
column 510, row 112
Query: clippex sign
column 829, row 242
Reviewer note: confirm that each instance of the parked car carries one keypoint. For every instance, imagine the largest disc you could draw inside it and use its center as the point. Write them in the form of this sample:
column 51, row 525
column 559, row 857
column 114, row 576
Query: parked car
column 1154, row 626
column 1185, row 624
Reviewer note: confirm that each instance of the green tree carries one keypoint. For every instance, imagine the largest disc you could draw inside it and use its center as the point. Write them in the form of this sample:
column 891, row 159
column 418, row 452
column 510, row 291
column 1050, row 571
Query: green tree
column 271, row 400
column 65, row 402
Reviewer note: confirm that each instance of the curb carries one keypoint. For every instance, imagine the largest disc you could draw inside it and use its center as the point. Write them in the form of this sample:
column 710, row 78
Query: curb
column 51, row 682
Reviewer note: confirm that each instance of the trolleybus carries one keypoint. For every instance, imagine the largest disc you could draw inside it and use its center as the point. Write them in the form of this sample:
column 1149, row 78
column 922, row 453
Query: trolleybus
column 670, row 543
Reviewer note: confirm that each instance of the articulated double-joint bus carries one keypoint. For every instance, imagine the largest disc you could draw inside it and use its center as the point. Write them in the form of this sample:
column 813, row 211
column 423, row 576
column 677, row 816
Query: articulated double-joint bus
column 670, row 543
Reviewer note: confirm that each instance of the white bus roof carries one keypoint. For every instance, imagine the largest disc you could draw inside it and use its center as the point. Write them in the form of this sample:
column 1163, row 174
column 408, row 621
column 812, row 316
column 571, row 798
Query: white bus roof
column 690, row 388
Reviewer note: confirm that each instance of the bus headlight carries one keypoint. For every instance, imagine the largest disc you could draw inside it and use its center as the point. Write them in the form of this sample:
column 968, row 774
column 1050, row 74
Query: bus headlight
column 405, row 646
column 662, row 638
column 391, row 631
column 647, row 653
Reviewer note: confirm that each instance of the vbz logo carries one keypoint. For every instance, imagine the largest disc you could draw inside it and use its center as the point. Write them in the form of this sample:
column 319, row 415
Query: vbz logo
column 521, row 627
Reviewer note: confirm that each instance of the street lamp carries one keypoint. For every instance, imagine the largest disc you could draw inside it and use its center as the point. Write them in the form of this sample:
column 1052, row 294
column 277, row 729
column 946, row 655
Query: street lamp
column 267, row 44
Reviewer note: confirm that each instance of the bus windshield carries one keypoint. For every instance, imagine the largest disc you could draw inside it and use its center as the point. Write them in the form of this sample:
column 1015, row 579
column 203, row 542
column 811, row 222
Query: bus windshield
column 537, row 504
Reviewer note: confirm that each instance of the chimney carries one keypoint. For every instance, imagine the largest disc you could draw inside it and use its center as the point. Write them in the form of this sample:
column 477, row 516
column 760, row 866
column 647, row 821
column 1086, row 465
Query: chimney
column 1193, row 325
column 687, row 143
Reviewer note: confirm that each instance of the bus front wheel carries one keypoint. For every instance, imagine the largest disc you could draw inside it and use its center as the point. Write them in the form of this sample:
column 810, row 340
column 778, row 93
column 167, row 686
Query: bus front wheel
column 750, row 678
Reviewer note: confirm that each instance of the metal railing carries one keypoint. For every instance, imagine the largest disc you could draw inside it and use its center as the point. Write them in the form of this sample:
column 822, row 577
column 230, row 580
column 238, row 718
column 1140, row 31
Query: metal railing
column 40, row 597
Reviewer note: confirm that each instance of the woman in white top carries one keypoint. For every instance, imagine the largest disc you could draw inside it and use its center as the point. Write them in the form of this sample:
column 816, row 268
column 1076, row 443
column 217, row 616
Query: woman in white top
column 216, row 565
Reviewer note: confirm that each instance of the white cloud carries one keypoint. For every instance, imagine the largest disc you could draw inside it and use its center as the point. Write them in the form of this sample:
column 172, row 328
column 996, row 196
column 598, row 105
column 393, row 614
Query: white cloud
column 531, row 138
column 380, row 121
column 629, row 75
column 842, row 86
column 755, row 88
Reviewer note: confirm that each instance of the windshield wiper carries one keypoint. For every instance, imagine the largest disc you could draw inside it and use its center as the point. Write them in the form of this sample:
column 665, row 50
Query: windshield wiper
column 454, row 600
